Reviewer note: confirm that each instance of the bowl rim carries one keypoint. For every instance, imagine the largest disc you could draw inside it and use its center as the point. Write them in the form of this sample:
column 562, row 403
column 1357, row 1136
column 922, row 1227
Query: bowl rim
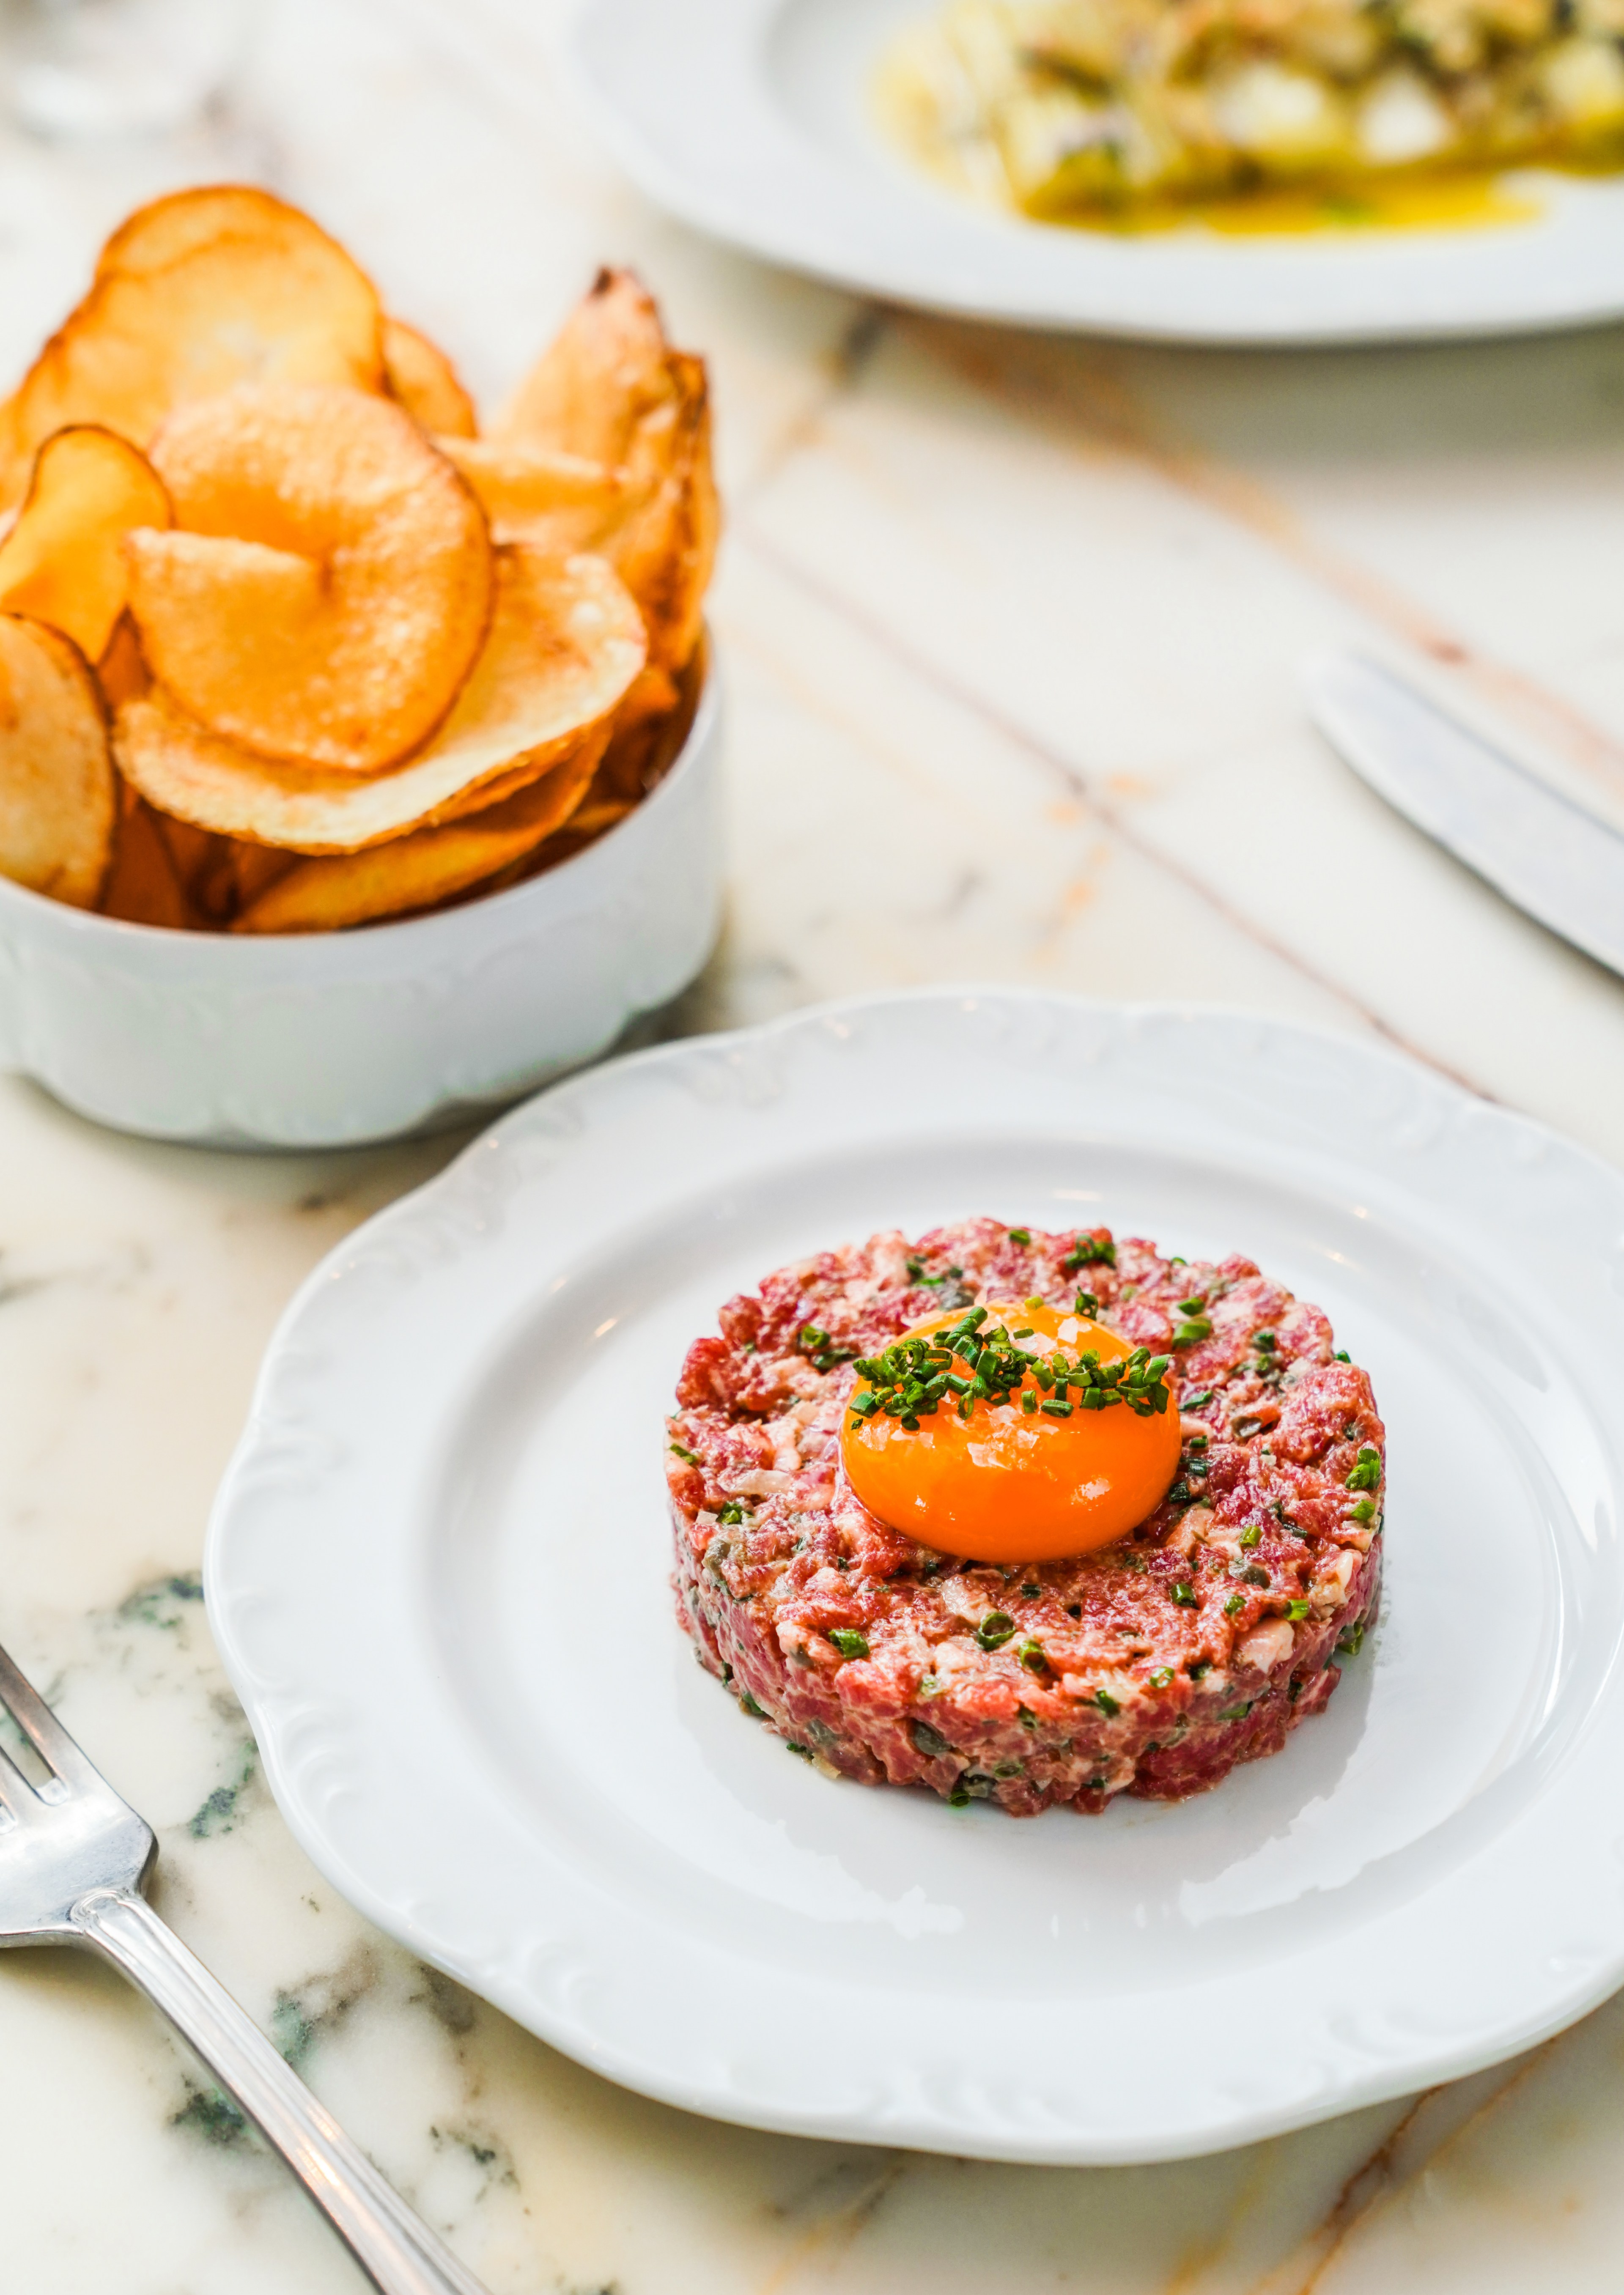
column 36, row 912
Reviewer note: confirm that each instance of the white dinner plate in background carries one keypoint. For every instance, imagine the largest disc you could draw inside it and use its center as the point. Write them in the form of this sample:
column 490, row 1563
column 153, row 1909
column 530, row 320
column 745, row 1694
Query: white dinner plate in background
column 750, row 119
column 439, row 1565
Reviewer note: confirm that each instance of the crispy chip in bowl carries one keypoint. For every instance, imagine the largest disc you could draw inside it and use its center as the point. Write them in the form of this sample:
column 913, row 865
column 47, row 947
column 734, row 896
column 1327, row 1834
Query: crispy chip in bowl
column 565, row 643
column 63, row 561
column 328, row 583
column 611, row 390
column 428, row 866
column 540, row 495
column 57, row 797
column 144, row 886
column 419, row 375
column 194, row 294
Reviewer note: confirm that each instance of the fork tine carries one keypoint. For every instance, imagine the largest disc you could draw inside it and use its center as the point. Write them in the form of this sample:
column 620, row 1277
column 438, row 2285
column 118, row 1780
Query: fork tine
column 15, row 1791
column 35, row 1717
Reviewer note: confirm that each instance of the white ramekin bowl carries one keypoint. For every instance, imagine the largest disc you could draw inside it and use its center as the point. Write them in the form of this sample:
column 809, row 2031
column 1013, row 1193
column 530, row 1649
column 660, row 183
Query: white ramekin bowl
column 326, row 1040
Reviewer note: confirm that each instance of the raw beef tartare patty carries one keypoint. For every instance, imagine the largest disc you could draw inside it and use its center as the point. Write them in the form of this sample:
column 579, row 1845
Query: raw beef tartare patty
column 1151, row 1666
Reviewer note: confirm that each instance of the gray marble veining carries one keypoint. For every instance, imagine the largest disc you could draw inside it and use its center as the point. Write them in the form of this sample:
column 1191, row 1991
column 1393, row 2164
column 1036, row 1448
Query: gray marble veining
column 1011, row 626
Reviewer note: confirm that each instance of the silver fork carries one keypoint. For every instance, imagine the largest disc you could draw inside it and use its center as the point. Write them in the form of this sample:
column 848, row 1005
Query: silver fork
column 74, row 1866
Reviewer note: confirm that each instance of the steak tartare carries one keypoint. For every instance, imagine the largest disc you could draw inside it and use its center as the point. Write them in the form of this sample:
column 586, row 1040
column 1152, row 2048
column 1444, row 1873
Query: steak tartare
column 1149, row 1667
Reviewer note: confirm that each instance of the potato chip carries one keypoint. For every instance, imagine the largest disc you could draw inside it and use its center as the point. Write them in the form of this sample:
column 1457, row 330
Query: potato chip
column 667, row 553
column 537, row 494
column 201, row 860
column 611, row 390
column 598, row 381
column 168, row 229
column 142, row 887
column 424, row 381
column 653, row 693
column 651, row 727
column 121, row 673
column 330, row 586
column 57, row 795
column 195, row 294
column 61, row 562
column 565, row 643
column 253, row 867
column 430, row 865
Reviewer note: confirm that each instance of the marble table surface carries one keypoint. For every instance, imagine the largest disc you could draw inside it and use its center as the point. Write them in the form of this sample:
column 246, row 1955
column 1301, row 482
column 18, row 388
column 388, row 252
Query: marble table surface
column 1012, row 627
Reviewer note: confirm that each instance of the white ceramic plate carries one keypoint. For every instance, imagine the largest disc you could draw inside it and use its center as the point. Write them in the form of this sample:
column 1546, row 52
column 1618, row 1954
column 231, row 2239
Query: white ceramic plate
column 439, row 1573
column 750, row 119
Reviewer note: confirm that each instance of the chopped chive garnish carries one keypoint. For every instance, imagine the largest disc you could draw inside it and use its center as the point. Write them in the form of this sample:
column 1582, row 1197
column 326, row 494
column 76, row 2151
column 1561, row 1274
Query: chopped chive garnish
column 1252, row 1535
column 848, row 1641
column 910, row 1379
column 1197, row 1666
column 1364, row 1512
column 995, row 1629
column 1296, row 1612
column 1021, row 1234
column 1195, row 1401
column 1235, row 1712
column 822, row 1350
column 1106, row 1703
column 1183, row 1595
column 1367, row 1472
column 1342, row 1355
column 731, row 1514
column 1087, row 1305
column 1194, row 1305
column 749, row 1706
column 1029, row 1401
column 1192, row 1331
column 1236, row 1602
column 1032, row 1305
column 1161, row 1677
column 1351, row 1639
column 1089, row 1250
column 683, row 1451
column 1265, row 1342
column 1031, row 1655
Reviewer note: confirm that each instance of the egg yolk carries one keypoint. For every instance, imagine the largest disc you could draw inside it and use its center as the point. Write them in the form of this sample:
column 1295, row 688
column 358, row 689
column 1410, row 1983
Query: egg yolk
column 1011, row 1481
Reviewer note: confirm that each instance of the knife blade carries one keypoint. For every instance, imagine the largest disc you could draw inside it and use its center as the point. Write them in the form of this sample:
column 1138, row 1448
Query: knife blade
column 1561, row 864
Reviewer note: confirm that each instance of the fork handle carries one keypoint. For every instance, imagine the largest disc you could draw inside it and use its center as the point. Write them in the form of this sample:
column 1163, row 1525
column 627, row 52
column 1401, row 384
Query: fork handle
column 395, row 2249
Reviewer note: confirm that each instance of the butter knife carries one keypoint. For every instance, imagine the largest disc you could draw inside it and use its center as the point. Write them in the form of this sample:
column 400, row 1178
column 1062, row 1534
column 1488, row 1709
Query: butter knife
column 1552, row 858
